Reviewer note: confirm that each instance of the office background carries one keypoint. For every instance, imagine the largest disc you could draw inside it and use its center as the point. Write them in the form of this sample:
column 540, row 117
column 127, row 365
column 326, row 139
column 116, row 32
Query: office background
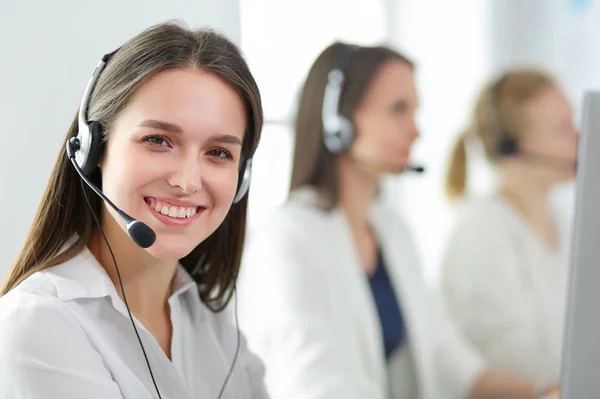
column 51, row 48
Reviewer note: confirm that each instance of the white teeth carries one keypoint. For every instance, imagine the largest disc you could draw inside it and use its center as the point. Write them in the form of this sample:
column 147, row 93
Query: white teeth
column 172, row 211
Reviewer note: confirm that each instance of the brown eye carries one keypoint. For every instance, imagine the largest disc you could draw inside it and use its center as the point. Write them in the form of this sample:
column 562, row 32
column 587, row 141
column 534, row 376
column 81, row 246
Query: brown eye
column 221, row 153
column 156, row 140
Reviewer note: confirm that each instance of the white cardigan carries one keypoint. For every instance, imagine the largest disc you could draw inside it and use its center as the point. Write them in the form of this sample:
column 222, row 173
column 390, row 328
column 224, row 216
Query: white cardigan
column 306, row 308
column 507, row 289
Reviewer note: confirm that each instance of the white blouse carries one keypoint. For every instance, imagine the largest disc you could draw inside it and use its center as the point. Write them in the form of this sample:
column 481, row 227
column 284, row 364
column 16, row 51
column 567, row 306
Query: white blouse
column 507, row 289
column 65, row 333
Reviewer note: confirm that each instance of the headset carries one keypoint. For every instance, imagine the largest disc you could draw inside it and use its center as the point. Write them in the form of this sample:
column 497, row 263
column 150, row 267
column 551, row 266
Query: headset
column 507, row 145
column 90, row 137
column 338, row 131
column 84, row 152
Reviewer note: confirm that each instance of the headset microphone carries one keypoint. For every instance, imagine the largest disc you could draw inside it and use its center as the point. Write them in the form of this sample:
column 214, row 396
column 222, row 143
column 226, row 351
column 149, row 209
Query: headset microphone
column 508, row 147
column 370, row 161
column 416, row 169
column 139, row 232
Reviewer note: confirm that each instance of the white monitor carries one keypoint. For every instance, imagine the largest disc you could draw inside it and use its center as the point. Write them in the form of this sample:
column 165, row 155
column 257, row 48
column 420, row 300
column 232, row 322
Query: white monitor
column 580, row 376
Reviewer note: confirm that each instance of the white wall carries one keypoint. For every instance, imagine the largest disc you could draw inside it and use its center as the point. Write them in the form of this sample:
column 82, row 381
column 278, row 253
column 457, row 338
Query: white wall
column 561, row 35
column 49, row 50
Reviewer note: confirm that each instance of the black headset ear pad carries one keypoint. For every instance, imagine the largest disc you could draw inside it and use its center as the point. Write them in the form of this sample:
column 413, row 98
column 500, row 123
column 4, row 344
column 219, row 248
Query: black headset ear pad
column 507, row 147
column 96, row 148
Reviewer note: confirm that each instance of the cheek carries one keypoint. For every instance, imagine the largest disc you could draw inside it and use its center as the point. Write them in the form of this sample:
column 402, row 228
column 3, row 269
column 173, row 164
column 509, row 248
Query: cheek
column 125, row 174
column 222, row 185
column 565, row 147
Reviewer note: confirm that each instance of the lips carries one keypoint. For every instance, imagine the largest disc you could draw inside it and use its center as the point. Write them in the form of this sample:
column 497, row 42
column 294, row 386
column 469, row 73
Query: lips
column 174, row 213
column 172, row 210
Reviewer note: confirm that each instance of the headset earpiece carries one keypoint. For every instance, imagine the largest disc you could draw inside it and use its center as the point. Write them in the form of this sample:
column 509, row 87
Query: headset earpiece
column 90, row 135
column 243, row 181
column 87, row 158
column 507, row 147
column 338, row 131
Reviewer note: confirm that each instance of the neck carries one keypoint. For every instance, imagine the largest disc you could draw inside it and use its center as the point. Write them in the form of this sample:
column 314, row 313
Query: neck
column 528, row 195
column 146, row 280
column 357, row 189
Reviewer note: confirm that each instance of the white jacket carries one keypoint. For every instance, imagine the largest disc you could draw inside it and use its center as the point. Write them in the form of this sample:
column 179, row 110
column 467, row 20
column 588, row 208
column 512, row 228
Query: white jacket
column 306, row 308
column 506, row 289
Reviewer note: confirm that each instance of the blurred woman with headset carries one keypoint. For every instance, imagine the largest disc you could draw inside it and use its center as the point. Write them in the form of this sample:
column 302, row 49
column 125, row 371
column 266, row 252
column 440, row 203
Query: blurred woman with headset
column 505, row 270
column 123, row 299
column 331, row 293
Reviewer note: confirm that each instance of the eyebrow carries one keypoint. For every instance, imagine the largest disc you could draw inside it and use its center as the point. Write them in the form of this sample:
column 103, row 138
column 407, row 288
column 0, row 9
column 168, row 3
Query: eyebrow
column 225, row 139
column 173, row 128
column 166, row 126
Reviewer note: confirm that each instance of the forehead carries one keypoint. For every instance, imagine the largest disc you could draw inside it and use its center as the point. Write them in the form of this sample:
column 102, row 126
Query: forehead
column 198, row 101
column 393, row 81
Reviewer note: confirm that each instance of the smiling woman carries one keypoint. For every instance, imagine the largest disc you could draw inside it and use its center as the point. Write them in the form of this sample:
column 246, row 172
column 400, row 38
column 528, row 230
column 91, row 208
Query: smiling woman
column 170, row 133
column 166, row 132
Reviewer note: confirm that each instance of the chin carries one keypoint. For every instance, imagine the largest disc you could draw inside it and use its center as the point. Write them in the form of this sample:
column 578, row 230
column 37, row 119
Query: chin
column 393, row 169
column 171, row 249
column 567, row 178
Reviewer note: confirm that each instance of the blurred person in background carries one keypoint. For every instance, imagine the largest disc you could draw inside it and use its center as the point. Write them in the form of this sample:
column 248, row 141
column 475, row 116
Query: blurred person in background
column 505, row 271
column 331, row 293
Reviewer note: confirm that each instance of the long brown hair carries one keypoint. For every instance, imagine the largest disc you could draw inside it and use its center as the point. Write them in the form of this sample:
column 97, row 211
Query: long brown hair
column 63, row 212
column 313, row 164
column 499, row 110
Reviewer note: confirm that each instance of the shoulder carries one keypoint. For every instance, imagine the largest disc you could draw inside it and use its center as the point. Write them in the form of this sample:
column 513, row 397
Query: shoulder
column 299, row 219
column 287, row 255
column 41, row 300
column 40, row 288
column 33, row 319
column 479, row 215
column 485, row 206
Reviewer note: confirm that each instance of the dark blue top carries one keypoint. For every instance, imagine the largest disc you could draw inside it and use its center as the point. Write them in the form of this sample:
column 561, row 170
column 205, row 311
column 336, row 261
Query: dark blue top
column 390, row 316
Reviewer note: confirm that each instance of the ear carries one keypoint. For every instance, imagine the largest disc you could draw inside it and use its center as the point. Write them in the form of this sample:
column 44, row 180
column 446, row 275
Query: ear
column 358, row 117
column 101, row 158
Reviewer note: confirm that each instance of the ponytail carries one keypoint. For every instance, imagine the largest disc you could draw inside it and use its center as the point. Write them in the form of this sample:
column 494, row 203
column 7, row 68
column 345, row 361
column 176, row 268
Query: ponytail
column 456, row 175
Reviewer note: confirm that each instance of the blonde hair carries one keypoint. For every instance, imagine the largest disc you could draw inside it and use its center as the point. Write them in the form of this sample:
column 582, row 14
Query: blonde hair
column 499, row 113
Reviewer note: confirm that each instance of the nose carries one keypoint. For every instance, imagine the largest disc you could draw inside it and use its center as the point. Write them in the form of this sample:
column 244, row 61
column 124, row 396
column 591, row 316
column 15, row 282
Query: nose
column 187, row 176
column 414, row 129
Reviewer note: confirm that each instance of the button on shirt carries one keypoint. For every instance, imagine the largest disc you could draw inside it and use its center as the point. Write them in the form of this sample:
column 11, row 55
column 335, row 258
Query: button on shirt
column 65, row 333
